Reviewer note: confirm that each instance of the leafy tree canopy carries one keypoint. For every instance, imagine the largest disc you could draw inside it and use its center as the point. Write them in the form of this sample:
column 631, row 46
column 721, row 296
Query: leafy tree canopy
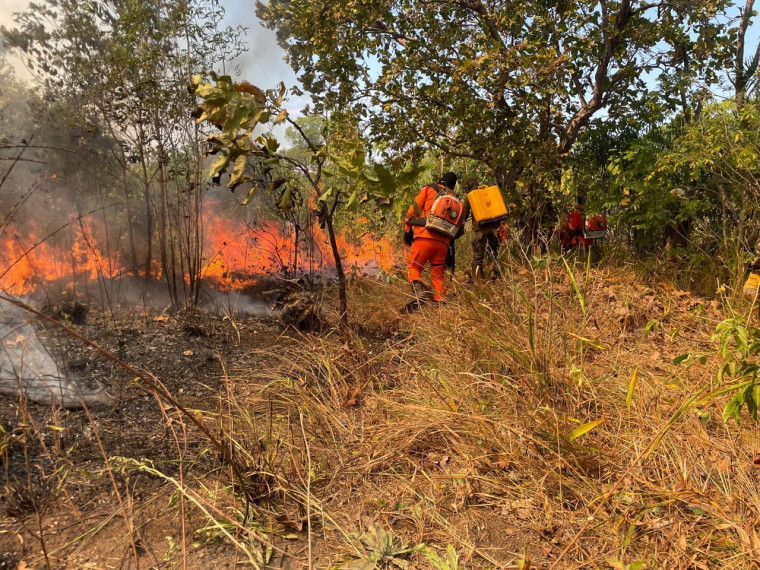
column 511, row 84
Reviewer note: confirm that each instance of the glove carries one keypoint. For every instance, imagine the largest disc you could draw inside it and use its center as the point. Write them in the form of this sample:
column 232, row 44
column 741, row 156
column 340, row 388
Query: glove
column 409, row 237
column 751, row 286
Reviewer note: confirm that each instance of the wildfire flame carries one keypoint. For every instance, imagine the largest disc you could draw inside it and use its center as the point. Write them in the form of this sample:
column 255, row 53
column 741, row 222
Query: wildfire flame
column 235, row 254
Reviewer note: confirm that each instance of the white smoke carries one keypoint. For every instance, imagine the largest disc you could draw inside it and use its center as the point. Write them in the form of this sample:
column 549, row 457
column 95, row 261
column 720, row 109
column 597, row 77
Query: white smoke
column 27, row 366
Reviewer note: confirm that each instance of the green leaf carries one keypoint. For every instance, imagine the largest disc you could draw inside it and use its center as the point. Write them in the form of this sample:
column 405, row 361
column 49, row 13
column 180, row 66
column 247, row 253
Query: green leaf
column 249, row 197
column 368, row 176
column 681, row 358
column 353, row 201
column 385, row 177
column 219, row 166
column 326, row 195
column 585, row 428
column 275, row 185
column 588, row 341
column 733, row 407
column 272, row 144
column 750, row 401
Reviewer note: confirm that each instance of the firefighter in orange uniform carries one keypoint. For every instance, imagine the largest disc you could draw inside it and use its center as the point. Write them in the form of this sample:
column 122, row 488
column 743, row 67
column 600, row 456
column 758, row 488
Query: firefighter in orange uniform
column 571, row 236
column 427, row 246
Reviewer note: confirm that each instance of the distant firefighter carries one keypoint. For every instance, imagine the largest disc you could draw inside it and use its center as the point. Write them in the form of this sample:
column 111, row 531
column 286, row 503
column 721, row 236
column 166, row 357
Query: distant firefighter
column 581, row 231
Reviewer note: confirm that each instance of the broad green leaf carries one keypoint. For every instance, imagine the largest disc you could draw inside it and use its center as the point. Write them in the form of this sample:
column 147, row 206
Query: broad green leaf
column 353, row 201
column 219, row 166
column 585, row 428
column 326, row 195
column 733, row 407
column 750, row 401
column 385, row 177
column 368, row 176
column 681, row 358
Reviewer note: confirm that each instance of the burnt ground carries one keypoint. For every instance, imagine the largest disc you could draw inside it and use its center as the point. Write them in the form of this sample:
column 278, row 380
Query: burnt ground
column 55, row 475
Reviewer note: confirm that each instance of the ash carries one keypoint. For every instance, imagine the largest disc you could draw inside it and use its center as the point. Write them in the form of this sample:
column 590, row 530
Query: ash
column 27, row 367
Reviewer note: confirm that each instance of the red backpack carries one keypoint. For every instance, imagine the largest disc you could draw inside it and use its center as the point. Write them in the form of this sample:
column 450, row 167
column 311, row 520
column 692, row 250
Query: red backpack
column 595, row 227
column 445, row 217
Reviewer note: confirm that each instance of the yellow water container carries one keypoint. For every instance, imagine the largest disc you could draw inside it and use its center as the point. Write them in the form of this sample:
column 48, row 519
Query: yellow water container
column 487, row 205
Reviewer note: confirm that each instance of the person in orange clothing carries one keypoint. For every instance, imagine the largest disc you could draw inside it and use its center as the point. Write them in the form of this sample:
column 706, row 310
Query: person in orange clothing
column 427, row 246
column 571, row 236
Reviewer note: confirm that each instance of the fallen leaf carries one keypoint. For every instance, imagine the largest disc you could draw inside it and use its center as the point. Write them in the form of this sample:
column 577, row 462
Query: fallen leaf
column 289, row 524
column 523, row 514
column 353, row 397
column 161, row 318
column 188, row 353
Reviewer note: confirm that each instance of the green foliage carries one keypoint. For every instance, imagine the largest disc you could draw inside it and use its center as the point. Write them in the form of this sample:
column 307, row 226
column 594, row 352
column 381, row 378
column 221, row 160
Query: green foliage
column 449, row 561
column 336, row 168
column 739, row 347
column 738, row 350
column 701, row 175
column 383, row 548
column 510, row 85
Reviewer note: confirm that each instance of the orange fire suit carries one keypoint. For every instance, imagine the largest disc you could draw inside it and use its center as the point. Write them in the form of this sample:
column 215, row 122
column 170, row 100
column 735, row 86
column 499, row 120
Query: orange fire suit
column 572, row 233
column 428, row 246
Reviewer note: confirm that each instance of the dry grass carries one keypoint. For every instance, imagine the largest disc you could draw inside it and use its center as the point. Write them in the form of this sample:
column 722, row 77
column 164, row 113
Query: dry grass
column 454, row 428
column 461, row 434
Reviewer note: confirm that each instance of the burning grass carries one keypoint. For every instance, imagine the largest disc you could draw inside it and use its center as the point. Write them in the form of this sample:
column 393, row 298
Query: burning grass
column 540, row 419
column 236, row 253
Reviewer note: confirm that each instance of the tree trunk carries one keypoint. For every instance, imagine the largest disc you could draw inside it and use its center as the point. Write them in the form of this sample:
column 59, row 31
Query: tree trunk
column 166, row 229
column 130, row 231
column 148, row 207
column 338, row 268
column 296, row 232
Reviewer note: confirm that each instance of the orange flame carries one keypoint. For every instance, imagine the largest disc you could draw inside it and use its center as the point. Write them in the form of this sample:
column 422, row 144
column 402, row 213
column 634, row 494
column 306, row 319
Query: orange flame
column 235, row 254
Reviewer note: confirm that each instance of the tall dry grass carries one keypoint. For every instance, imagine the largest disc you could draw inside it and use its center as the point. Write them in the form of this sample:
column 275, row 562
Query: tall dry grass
column 537, row 421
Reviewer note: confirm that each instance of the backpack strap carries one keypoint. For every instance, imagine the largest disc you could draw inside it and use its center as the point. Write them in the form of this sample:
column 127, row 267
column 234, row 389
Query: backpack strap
column 439, row 188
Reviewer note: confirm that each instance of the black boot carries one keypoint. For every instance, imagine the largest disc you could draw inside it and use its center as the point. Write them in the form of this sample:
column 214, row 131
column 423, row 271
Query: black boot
column 420, row 296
